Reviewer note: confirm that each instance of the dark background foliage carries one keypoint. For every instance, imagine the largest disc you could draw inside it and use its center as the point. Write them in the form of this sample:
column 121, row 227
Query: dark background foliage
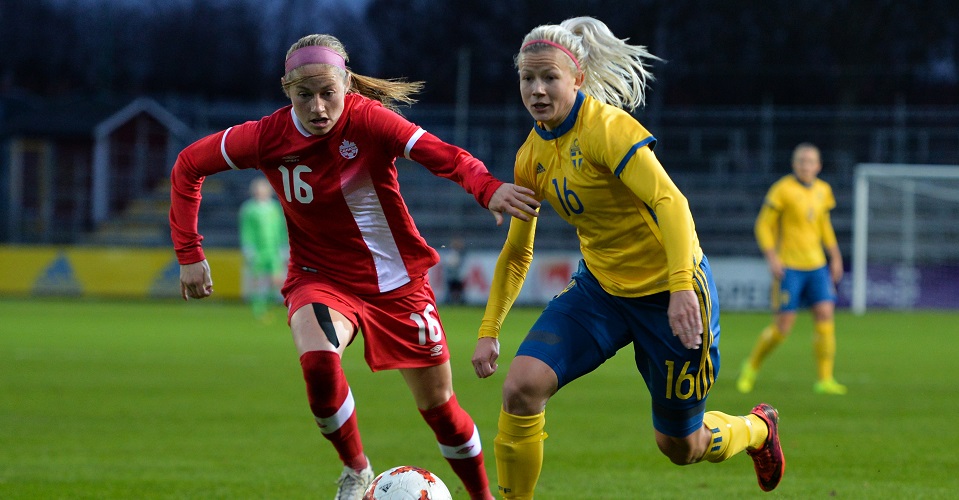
column 736, row 52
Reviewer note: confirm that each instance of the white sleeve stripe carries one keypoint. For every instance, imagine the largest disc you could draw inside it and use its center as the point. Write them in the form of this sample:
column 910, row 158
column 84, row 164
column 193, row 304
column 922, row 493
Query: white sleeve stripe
column 223, row 150
column 409, row 144
column 469, row 449
column 332, row 423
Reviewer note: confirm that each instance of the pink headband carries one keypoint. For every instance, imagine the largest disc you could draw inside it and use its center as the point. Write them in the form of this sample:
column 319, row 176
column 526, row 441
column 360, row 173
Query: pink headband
column 314, row 54
column 553, row 44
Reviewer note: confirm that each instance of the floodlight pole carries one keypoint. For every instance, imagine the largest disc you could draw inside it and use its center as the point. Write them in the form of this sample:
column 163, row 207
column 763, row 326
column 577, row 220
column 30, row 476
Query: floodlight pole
column 860, row 225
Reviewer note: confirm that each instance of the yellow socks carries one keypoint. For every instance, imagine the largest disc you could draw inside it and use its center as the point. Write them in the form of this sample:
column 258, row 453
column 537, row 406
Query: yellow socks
column 519, row 454
column 733, row 434
column 824, row 347
column 768, row 340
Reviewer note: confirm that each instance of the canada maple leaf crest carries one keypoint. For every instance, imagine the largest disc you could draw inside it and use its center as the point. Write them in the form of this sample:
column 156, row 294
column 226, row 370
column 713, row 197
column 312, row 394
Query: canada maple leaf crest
column 348, row 149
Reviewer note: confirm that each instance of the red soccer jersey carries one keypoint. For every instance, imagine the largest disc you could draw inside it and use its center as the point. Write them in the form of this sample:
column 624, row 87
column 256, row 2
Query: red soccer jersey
column 346, row 218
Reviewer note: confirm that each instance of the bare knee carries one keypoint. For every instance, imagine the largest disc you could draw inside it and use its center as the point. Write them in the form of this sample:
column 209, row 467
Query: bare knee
column 431, row 387
column 785, row 322
column 823, row 311
column 683, row 451
column 528, row 386
column 523, row 396
column 678, row 454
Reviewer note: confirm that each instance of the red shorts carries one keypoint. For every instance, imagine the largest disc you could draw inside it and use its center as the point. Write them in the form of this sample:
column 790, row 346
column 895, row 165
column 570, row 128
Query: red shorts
column 401, row 328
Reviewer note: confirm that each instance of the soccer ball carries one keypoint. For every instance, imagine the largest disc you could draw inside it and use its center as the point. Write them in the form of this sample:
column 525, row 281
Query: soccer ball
column 407, row 483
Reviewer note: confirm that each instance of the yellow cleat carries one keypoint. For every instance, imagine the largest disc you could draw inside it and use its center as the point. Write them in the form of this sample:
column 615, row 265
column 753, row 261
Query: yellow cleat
column 747, row 378
column 830, row 386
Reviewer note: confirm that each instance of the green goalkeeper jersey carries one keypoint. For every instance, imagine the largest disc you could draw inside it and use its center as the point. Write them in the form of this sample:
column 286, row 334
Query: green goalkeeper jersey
column 262, row 234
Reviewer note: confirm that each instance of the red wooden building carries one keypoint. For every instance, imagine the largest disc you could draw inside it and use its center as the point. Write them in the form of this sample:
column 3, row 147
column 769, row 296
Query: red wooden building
column 65, row 167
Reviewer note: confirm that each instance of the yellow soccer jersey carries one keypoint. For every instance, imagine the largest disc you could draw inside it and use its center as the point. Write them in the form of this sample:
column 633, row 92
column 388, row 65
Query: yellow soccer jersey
column 598, row 172
column 795, row 222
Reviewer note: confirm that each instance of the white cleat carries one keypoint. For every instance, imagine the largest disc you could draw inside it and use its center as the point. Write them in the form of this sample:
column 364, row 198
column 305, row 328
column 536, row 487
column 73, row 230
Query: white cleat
column 353, row 484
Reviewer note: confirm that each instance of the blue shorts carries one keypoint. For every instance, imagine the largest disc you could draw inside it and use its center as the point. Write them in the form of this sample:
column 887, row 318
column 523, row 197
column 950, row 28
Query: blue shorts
column 799, row 289
column 584, row 326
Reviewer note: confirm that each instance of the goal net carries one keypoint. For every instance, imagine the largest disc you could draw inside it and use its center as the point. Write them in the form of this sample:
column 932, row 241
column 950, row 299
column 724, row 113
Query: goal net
column 905, row 237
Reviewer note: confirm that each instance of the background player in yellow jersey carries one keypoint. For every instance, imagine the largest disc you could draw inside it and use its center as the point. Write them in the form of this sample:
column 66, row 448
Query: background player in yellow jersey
column 792, row 229
column 643, row 279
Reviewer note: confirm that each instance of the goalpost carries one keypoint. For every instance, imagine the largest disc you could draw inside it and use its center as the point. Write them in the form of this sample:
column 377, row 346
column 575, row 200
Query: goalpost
column 906, row 230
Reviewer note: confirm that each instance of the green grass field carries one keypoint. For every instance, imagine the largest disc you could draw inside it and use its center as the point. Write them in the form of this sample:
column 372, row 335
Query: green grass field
column 196, row 400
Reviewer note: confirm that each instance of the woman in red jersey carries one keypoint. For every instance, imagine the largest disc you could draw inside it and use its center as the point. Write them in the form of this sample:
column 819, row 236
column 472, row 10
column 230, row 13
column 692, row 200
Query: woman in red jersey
column 357, row 262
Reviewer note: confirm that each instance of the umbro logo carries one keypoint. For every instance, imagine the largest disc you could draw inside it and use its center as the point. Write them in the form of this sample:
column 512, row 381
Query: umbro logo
column 540, row 168
column 436, row 350
column 291, row 158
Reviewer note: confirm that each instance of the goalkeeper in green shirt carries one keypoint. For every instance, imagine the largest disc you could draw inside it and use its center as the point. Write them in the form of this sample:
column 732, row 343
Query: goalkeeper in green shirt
column 263, row 241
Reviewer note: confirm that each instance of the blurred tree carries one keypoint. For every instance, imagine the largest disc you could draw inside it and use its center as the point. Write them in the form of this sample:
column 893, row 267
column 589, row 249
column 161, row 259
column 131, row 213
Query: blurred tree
column 204, row 48
column 287, row 21
column 32, row 36
column 737, row 52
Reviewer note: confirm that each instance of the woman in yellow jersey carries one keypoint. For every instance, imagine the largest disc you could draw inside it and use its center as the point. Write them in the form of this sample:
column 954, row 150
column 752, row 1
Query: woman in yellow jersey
column 792, row 229
column 643, row 279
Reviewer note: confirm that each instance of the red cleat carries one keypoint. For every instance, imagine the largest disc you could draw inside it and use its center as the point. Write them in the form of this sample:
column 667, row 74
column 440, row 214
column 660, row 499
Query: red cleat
column 769, row 461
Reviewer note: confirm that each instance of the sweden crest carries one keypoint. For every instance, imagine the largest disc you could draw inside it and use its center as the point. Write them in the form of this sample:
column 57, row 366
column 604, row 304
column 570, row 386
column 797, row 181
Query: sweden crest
column 576, row 154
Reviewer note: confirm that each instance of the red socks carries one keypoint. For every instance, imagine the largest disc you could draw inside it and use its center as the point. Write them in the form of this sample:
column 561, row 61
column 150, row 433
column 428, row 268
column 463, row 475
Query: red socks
column 460, row 444
column 333, row 408
column 332, row 405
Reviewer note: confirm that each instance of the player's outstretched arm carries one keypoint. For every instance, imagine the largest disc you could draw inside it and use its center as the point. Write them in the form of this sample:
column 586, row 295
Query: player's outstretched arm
column 196, row 282
column 513, row 200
